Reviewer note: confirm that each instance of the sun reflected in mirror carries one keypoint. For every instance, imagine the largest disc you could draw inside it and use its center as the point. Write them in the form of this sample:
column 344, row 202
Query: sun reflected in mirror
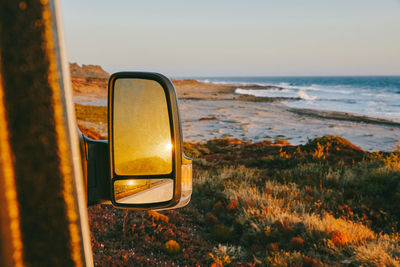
column 130, row 183
column 168, row 147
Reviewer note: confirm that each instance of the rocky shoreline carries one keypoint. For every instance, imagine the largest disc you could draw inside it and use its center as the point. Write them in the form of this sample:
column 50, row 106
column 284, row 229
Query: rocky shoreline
column 246, row 117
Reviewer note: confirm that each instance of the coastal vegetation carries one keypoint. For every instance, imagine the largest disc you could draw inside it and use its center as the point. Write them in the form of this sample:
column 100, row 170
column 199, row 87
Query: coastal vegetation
column 265, row 203
column 327, row 202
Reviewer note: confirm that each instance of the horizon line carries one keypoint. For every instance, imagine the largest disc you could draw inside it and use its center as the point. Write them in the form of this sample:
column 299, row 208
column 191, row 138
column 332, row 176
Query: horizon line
column 275, row 76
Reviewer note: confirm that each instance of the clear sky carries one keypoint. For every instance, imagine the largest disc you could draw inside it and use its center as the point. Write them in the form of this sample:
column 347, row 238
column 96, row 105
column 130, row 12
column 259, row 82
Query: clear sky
column 235, row 37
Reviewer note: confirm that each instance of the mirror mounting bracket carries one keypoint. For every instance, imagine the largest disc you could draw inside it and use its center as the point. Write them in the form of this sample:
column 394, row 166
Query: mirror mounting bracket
column 95, row 168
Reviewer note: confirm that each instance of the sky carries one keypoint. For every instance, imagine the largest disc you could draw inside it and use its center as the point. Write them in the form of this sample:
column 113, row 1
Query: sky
column 182, row 38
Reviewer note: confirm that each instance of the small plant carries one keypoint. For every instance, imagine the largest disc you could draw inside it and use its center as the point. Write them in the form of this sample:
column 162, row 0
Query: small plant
column 267, row 231
column 219, row 261
column 172, row 247
column 393, row 160
column 296, row 242
column 308, row 198
column 321, row 151
column 232, row 206
column 157, row 217
column 309, row 190
column 338, row 238
column 283, row 154
column 281, row 142
column 284, row 258
column 224, row 255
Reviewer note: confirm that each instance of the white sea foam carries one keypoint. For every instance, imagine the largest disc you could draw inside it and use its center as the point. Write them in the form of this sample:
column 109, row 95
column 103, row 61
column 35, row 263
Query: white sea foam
column 303, row 95
column 369, row 96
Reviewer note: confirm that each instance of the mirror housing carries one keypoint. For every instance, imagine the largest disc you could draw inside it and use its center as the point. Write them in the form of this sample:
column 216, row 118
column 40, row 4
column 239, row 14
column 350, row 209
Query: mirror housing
column 148, row 169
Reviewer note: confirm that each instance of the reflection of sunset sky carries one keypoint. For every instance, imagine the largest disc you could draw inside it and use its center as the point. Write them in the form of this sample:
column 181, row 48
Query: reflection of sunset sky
column 141, row 124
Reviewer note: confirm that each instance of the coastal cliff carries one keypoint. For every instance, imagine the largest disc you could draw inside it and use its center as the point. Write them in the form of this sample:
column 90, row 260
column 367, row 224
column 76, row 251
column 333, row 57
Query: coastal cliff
column 89, row 80
column 87, row 71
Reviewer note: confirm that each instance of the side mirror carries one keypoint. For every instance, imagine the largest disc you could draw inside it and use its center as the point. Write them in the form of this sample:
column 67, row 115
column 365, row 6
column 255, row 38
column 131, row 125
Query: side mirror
column 148, row 169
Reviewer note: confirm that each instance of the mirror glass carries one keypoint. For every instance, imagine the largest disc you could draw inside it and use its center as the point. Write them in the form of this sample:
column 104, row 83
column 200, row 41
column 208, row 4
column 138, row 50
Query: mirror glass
column 142, row 133
column 143, row 191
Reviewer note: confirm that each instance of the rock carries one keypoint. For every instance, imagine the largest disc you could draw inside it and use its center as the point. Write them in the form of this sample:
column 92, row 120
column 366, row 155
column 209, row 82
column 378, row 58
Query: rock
column 88, row 71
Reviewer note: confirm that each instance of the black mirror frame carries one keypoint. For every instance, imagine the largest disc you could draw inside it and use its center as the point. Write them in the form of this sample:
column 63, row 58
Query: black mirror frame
column 176, row 135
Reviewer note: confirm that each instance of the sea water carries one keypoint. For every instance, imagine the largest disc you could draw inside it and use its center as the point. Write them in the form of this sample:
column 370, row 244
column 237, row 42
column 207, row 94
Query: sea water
column 374, row 96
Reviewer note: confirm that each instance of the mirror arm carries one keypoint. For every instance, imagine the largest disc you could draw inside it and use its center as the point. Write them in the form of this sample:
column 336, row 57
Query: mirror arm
column 95, row 166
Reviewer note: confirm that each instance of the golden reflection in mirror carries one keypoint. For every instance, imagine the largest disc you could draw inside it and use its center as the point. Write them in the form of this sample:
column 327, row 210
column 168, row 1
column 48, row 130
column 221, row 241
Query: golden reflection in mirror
column 142, row 133
column 143, row 191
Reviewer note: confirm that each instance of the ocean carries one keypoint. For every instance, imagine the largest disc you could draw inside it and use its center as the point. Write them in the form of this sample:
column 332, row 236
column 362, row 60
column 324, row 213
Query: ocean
column 374, row 96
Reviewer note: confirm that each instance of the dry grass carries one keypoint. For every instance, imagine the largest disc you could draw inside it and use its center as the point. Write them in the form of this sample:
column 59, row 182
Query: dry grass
column 259, row 204
column 304, row 215
column 380, row 252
